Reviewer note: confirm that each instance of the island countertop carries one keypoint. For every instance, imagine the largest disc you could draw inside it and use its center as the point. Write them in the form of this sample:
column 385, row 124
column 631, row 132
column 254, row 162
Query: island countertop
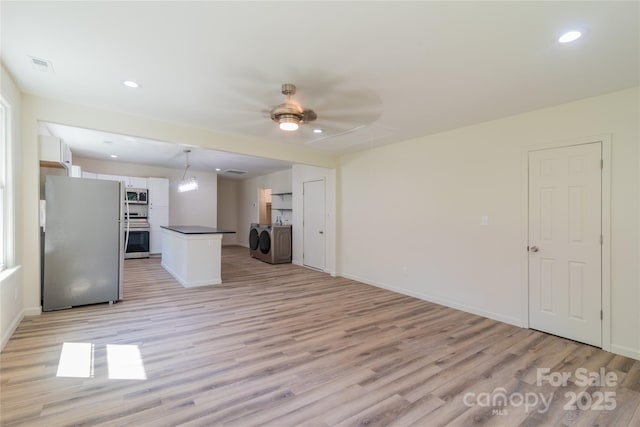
column 196, row 229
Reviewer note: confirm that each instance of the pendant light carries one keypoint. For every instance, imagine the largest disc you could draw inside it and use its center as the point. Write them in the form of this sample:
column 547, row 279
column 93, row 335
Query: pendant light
column 187, row 184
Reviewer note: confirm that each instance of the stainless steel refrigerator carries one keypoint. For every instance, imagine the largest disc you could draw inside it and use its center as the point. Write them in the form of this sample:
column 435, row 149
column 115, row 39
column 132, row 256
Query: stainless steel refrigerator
column 83, row 242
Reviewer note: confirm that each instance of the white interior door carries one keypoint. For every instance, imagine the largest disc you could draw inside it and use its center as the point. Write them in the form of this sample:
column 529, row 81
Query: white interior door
column 313, row 224
column 565, row 246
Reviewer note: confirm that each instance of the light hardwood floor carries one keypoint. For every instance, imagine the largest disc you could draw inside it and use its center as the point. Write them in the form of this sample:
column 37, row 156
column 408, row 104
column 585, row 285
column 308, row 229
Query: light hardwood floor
column 287, row 346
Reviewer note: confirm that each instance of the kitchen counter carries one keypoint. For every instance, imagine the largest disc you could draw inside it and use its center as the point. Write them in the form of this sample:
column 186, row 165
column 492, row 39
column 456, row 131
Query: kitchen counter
column 192, row 254
column 196, row 229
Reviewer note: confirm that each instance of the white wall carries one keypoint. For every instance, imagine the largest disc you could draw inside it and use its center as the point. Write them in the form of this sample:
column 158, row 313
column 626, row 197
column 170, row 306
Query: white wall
column 410, row 212
column 248, row 200
column 35, row 109
column 190, row 208
column 290, row 180
column 247, row 208
column 300, row 174
column 11, row 280
column 228, row 209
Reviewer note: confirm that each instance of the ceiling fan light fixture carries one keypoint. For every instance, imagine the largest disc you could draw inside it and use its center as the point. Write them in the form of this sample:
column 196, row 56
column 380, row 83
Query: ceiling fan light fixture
column 289, row 114
column 288, row 122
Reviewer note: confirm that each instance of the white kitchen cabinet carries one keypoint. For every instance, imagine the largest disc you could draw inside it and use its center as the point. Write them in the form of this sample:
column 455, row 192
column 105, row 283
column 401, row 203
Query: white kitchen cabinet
column 107, row 177
column 136, row 182
column 75, row 172
column 129, row 181
column 158, row 216
column 158, row 212
column 54, row 152
column 158, row 192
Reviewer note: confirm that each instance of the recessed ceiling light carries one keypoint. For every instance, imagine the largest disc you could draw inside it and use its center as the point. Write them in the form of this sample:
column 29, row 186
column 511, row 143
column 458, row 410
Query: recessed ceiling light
column 113, row 156
column 218, row 169
column 317, row 131
column 569, row 37
column 130, row 83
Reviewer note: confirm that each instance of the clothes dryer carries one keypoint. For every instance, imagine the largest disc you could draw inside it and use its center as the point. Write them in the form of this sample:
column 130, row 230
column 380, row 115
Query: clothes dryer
column 274, row 245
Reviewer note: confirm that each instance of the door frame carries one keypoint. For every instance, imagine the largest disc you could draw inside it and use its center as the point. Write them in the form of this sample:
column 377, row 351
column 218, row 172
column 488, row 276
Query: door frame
column 605, row 140
column 324, row 222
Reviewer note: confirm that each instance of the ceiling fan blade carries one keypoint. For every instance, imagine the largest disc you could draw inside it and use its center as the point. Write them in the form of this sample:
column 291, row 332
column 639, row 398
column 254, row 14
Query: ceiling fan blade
column 357, row 138
column 309, row 116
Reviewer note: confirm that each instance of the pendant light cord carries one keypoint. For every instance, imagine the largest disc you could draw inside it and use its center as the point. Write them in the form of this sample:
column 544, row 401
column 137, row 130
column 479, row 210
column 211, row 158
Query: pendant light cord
column 186, row 166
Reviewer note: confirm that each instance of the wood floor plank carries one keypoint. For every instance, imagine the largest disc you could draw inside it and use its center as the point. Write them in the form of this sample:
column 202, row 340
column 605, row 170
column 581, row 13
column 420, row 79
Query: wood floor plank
column 282, row 345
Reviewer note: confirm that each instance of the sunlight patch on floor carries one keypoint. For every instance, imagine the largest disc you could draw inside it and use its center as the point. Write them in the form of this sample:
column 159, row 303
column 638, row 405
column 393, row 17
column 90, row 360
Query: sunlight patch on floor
column 76, row 360
column 124, row 362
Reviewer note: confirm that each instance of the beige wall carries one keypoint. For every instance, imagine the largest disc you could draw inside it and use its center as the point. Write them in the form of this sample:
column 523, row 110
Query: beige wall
column 36, row 109
column 190, row 208
column 301, row 174
column 12, row 280
column 248, row 199
column 410, row 212
column 290, row 180
column 228, row 209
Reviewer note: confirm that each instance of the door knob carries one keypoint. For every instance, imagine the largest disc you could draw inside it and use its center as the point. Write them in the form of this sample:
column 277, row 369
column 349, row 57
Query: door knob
column 321, row 232
column 533, row 249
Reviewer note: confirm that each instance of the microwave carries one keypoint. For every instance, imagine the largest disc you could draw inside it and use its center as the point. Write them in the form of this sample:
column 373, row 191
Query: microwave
column 137, row 196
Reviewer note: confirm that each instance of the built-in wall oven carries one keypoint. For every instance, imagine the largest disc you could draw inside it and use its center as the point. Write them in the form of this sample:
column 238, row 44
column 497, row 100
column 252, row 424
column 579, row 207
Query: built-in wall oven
column 137, row 236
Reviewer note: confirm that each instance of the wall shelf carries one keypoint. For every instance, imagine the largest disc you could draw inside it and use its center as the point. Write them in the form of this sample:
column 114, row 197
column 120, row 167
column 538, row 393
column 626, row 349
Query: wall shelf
column 281, row 201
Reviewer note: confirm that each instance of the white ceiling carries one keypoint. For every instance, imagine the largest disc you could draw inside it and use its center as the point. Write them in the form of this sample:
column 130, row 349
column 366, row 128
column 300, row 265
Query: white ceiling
column 101, row 145
column 374, row 72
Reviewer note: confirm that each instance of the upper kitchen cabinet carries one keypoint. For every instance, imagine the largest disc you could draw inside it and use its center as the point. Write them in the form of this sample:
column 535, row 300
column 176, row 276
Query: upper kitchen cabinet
column 136, row 182
column 54, row 153
column 158, row 192
column 107, row 177
column 129, row 181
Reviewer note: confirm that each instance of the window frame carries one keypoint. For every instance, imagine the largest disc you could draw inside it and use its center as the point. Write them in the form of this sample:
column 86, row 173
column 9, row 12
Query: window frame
column 4, row 193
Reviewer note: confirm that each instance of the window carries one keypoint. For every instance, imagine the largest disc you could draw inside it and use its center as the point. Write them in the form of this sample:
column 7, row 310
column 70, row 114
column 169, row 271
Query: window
column 4, row 159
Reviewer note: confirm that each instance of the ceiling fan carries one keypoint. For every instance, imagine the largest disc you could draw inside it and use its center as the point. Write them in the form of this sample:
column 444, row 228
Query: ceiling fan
column 289, row 115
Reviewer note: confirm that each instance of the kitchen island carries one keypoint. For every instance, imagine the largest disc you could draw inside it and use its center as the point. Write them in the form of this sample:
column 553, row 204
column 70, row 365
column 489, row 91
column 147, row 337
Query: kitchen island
column 192, row 254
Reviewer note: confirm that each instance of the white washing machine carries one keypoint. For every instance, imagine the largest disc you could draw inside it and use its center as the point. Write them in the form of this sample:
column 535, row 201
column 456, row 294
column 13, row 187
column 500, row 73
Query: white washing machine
column 274, row 244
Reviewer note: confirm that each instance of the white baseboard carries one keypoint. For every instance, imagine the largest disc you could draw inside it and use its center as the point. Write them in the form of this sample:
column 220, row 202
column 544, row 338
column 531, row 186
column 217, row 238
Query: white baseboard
column 190, row 284
column 33, row 311
column 12, row 328
column 442, row 301
column 625, row 351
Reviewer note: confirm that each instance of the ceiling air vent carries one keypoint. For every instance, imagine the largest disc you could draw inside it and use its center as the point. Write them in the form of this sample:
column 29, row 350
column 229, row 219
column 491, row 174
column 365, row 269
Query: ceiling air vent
column 41, row 64
column 235, row 172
